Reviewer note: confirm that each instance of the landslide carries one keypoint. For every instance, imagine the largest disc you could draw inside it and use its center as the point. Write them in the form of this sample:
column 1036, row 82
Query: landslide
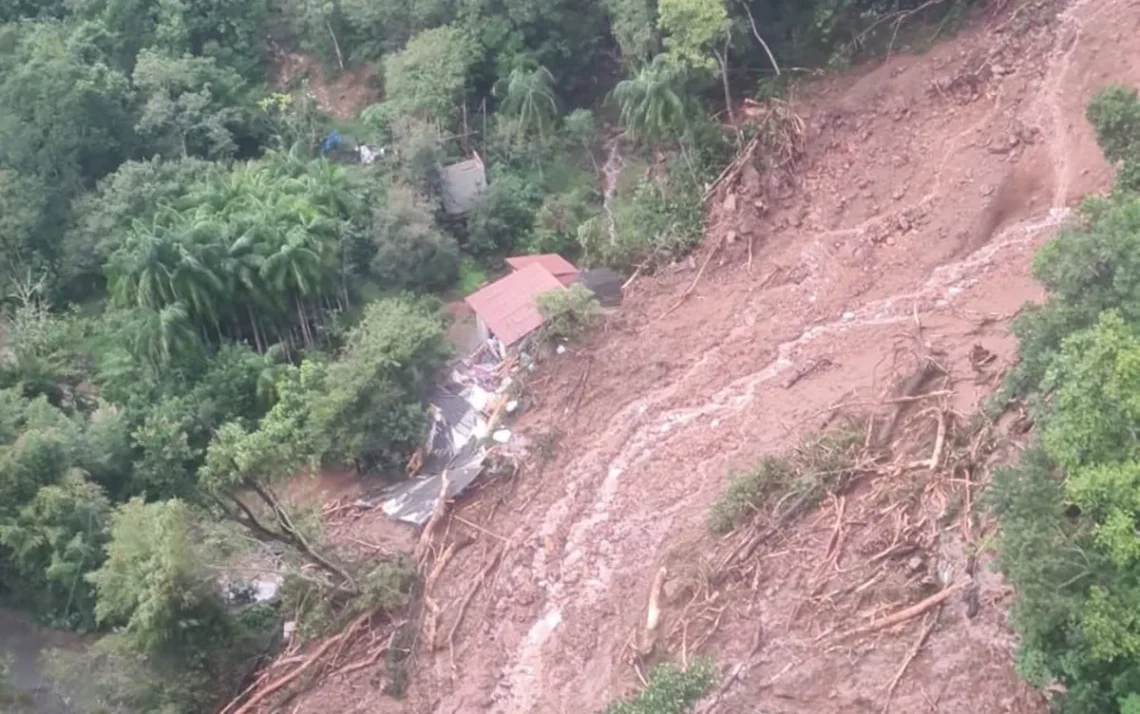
column 904, row 234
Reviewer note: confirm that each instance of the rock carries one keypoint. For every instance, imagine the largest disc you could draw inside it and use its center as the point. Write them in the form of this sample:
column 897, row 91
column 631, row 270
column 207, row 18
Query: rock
column 914, row 564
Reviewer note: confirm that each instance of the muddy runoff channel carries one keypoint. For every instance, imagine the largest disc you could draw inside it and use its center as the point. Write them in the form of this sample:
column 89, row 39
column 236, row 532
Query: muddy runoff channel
column 580, row 579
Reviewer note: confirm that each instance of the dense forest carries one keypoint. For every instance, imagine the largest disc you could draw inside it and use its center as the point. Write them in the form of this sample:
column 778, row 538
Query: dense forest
column 201, row 300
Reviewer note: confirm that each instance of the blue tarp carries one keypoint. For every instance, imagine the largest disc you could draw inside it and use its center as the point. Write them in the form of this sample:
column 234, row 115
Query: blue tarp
column 331, row 142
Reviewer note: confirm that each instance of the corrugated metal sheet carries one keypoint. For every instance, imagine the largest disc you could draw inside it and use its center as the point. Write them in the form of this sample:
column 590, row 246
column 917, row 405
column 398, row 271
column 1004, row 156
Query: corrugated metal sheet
column 558, row 266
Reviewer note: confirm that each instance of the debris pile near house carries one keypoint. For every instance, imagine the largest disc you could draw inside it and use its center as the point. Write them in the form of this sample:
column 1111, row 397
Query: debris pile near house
column 467, row 410
column 465, row 434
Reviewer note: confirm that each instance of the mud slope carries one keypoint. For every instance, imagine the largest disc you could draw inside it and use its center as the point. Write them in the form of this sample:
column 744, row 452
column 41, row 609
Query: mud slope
column 928, row 185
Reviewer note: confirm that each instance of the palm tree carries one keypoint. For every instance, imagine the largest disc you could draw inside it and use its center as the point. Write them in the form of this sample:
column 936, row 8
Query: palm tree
column 141, row 272
column 162, row 336
column 655, row 103
column 528, row 95
column 295, row 270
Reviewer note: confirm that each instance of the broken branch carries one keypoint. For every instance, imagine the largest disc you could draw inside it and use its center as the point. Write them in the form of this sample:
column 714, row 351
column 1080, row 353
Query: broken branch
column 313, row 658
column 693, row 285
column 907, row 613
column 907, row 660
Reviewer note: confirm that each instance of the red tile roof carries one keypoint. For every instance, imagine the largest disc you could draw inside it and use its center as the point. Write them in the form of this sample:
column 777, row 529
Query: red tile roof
column 508, row 307
column 554, row 263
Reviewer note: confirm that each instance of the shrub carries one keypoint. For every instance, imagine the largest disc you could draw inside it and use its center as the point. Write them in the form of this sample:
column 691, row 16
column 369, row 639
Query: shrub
column 567, row 313
column 557, row 220
column 1115, row 114
column 787, row 484
column 671, row 690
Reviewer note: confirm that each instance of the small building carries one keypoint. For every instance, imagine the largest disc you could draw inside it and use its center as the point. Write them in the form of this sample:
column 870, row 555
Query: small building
column 555, row 264
column 508, row 307
column 463, row 183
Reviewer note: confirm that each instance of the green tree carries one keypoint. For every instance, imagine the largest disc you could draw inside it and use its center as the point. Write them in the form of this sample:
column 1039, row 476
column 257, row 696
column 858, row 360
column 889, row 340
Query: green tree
column 528, row 98
column 693, row 28
column 369, row 411
column 656, row 103
column 427, row 78
column 1115, row 114
column 191, row 106
column 177, row 647
column 504, row 213
column 412, row 253
column 54, row 541
column 64, row 114
column 633, row 23
column 136, row 191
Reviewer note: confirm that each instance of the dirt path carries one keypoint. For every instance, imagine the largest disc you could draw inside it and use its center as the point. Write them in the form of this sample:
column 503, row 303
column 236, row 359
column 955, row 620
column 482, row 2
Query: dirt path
column 929, row 183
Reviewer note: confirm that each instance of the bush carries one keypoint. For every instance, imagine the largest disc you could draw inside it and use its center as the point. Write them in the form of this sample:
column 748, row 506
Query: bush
column 557, row 220
column 567, row 313
column 671, row 690
column 1115, row 114
column 787, row 484
column 661, row 220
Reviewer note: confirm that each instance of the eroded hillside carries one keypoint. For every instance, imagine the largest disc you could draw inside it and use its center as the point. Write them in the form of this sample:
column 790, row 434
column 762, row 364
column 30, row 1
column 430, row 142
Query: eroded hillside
column 904, row 234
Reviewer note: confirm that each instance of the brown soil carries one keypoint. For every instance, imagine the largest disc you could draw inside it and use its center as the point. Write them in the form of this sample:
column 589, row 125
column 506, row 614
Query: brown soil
column 928, row 183
column 343, row 95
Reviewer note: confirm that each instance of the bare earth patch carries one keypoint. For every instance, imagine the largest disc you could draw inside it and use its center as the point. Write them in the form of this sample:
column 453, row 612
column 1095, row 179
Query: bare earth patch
column 906, row 231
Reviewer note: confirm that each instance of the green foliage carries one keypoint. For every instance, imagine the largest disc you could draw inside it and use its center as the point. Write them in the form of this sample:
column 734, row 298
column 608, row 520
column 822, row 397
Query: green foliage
column 253, row 254
column 691, row 27
column 528, row 98
column 671, row 690
column 369, row 411
column 471, row 277
column 659, row 221
column 558, row 218
column 179, row 645
column 65, row 114
column 54, row 540
column 633, row 23
column 426, row 79
column 319, row 608
column 43, row 349
column 412, row 253
column 153, row 579
column 658, row 102
column 1090, row 267
column 1115, row 114
column 781, row 487
column 567, row 313
column 191, row 106
column 505, row 212
column 135, row 192
column 1069, row 510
